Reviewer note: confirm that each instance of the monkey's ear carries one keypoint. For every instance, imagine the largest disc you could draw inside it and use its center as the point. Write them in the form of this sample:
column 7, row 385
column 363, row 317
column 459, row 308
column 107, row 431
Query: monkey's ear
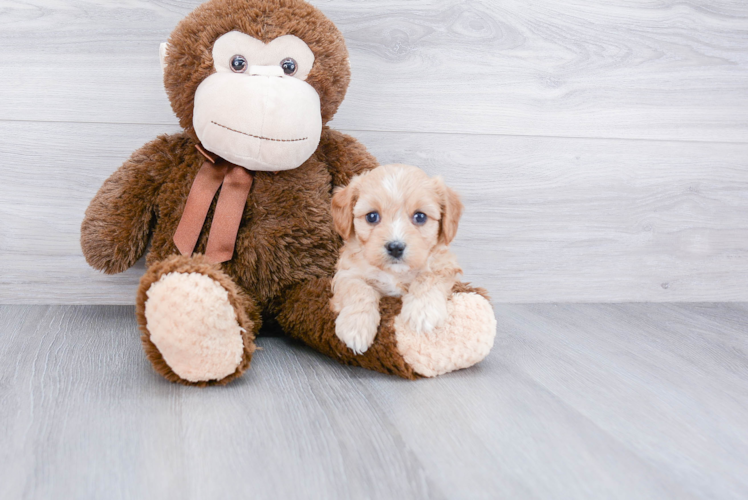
column 343, row 202
column 451, row 211
column 162, row 55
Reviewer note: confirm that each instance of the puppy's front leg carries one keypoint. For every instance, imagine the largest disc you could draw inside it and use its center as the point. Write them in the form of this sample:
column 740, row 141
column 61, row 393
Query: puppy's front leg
column 357, row 305
column 425, row 304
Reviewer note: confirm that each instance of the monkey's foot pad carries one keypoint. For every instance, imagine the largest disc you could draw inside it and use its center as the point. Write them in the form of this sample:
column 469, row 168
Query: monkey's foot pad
column 465, row 339
column 194, row 326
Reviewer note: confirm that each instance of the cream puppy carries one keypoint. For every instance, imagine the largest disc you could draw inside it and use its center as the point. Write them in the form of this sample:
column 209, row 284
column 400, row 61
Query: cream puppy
column 397, row 224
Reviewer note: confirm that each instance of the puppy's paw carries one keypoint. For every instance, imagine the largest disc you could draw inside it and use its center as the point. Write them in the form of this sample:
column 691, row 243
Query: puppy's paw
column 357, row 329
column 424, row 314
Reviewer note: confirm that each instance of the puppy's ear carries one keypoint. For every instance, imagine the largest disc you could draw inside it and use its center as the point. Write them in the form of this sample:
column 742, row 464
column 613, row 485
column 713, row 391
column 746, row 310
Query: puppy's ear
column 451, row 211
column 162, row 56
column 342, row 208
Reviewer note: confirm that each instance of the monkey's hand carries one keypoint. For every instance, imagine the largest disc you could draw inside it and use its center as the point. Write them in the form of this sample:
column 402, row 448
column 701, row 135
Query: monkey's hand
column 115, row 229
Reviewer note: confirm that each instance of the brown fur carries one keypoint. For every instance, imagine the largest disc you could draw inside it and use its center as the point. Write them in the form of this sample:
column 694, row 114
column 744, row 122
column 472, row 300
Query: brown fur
column 305, row 314
column 190, row 61
column 247, row 312
column 287, row 247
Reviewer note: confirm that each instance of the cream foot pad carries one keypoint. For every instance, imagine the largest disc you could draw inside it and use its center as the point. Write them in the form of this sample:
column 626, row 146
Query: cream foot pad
column 194, row 326
column 465, row 339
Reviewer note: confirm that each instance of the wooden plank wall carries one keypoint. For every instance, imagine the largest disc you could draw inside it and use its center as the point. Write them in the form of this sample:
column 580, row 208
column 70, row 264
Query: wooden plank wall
column 601, row 148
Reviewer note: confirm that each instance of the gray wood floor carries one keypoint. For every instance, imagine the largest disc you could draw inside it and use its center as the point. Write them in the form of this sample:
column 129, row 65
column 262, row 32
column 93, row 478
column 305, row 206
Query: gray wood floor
column 576, row 401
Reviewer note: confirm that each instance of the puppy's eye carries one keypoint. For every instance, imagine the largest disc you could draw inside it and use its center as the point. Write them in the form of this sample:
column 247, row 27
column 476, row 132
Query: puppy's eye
column 372, row 217
column 419, row 218
column 238, row 64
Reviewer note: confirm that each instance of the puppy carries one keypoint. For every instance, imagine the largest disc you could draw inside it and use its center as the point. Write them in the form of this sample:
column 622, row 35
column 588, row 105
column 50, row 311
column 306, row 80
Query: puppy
column 397, row 224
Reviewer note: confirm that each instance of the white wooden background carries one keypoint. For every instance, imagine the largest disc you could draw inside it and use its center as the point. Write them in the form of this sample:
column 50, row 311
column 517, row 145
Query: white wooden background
column 601, row 147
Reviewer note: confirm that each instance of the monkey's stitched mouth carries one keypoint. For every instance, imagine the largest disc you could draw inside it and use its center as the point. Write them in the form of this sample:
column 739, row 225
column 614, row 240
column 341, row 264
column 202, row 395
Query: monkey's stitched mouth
column 259, row 136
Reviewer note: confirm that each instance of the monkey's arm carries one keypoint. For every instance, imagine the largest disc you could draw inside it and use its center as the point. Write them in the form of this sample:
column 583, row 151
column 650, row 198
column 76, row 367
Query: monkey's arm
column 344, row 156
column 115, row 229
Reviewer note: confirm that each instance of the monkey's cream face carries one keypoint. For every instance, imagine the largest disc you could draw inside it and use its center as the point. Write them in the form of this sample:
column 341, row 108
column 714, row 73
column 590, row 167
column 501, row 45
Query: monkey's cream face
column 257, row 110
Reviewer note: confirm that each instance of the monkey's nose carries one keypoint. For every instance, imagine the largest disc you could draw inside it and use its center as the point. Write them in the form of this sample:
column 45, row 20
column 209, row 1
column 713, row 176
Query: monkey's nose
column 265, row 71
column 395, row 248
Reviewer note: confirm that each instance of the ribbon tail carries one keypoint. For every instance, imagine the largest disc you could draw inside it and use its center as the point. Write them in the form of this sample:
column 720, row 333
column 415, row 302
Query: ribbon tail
column 228, row 216
column 202, row 192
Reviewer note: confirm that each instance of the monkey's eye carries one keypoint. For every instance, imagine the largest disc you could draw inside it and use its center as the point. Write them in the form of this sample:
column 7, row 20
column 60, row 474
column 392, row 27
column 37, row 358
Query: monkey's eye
column 372, row 217
column 238, row 64
column 419, row 218
column 289, row 66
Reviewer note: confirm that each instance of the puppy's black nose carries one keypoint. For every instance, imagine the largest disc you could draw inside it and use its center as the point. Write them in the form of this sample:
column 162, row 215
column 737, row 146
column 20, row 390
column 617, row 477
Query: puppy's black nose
column 395, row 248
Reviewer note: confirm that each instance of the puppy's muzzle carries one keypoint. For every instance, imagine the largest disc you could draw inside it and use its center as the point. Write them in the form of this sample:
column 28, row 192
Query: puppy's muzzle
column 395, row 249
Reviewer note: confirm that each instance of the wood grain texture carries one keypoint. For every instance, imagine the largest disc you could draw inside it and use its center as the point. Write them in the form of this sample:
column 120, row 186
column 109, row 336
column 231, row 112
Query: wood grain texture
column 654, row 69
column 575, row 401
column 547, row 219
column 562, row 123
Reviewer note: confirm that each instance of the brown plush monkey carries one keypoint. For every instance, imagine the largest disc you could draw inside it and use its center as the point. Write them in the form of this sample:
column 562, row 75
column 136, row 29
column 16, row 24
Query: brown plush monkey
column 237, row 206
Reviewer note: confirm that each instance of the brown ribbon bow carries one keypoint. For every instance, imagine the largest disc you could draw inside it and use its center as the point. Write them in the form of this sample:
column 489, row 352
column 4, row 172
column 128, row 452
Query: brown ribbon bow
column 236, row 182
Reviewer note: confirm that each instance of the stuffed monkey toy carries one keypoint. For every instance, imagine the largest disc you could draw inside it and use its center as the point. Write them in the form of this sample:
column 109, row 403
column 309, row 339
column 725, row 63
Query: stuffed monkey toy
column 237, row 206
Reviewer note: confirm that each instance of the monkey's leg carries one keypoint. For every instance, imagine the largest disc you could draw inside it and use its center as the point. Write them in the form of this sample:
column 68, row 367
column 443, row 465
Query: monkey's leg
column 198, row 327
column 465, row 339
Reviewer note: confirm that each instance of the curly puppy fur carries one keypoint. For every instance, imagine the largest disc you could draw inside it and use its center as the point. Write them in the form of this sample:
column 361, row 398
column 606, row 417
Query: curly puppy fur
column 422, row 270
